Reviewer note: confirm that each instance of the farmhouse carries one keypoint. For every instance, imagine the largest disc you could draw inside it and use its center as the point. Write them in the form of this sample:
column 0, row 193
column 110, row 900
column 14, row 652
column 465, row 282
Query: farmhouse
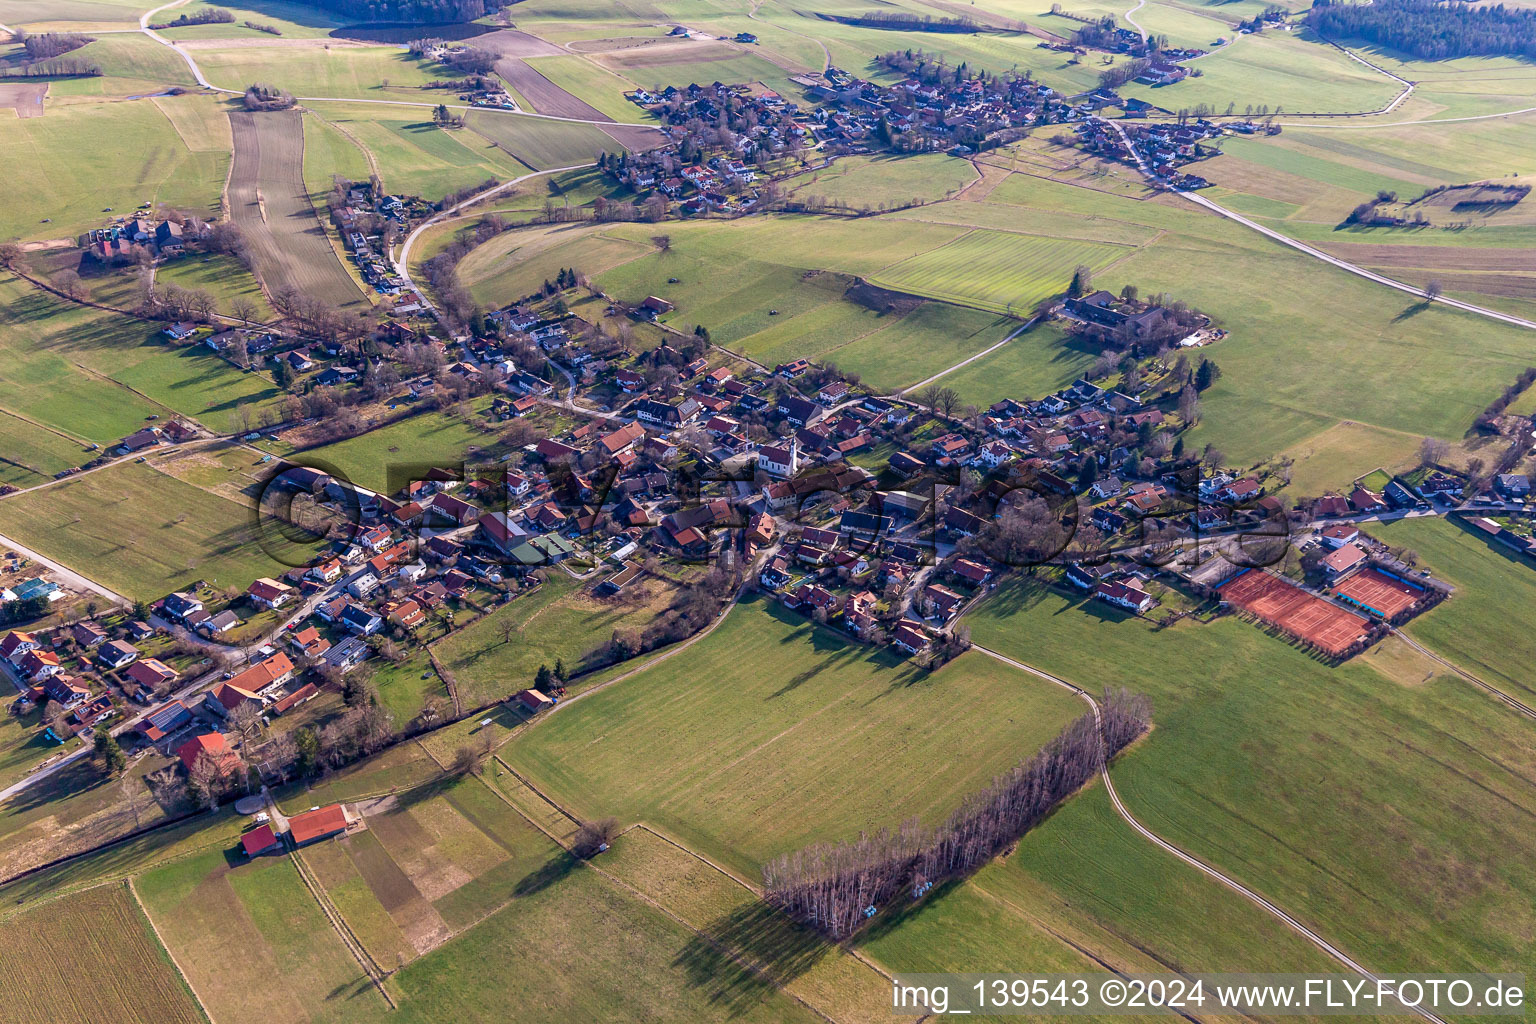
column 317, row 824
column 534, row 701
column 259, row 840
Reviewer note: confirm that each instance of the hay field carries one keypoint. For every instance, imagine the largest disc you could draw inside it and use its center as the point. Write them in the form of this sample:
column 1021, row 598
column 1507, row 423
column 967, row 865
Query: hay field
column 90, row 957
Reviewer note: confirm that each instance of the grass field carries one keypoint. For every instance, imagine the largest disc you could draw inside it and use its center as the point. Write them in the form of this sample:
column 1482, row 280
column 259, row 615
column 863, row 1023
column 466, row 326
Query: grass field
column 143, row 533
column 426, row 439
column 1279, row 70
column 72, row 810
column 341, row 71
column 826, row 976
column 1343, row 453
column 878, row 181
column 104, row 934
column 31, row 454
column 223, row 277
column 329, row 151
column 445, row 857
column 414, row 155
column 1083, row 892
column 1268, row 764
column 618, row 957
column 747, row 763
column 602, row 89
column 517, row 263
column 295, row 21
column 253, row 942
column 1030, row 366
column 543, row 144
column 561, row 620
column 80, row 158
column 997, row 270
column 42, row 338
column 1473, row 628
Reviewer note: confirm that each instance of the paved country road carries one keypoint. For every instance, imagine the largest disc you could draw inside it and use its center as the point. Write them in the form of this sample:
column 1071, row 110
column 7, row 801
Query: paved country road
column 1369, row 275
column 202, row 80
column 65, row 574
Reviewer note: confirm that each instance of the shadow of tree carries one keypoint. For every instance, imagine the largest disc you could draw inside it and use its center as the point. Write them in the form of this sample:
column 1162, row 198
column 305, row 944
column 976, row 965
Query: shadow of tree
column 757, row 934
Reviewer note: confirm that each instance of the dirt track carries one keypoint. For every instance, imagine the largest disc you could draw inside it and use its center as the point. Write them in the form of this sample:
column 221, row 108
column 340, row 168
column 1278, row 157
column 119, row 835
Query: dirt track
column 268, row 200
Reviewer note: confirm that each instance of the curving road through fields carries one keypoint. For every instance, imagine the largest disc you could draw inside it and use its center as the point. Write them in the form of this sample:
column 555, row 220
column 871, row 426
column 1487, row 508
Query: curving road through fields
column 1199, row 865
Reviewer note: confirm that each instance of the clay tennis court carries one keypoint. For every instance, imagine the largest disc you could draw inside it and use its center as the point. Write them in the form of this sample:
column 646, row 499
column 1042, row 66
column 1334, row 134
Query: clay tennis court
column 1380, row 593
column 1294, row 610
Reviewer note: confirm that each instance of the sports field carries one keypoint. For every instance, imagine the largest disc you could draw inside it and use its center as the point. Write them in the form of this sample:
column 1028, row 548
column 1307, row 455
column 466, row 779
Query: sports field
column 771, row 733
column 1379, row 592
column 268, row 199
column 101, row 940
column 1300, row 614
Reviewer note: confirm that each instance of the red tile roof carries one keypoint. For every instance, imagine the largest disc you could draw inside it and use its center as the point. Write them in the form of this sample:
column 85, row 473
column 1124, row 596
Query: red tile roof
column 317, row 824
column 258, row 840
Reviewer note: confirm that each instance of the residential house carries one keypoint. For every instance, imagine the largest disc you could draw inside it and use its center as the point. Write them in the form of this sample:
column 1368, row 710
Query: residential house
column 1128, row 595
column 269, row 593
column 116, row 653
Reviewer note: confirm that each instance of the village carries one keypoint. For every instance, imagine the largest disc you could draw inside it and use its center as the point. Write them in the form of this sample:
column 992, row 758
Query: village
column 881, row 516
column 729, row 145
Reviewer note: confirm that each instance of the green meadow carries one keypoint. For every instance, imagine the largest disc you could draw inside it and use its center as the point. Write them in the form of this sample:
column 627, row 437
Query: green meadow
column 1268, row 764
column 772, row 732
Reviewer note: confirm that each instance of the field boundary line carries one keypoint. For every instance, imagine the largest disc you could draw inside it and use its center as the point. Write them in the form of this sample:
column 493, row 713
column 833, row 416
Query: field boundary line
column 1518, row 706
column 133, row 894
column 736, row 958
column 1078, row 946
column 373, row 163
column 43, row 426
column 1190, row 859
column 535, row 790
column 343, row 930
column 430, row 756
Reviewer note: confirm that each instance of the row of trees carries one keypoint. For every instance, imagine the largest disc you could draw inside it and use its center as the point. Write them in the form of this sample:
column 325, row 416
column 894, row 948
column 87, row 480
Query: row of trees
column 833, row 886
column 1431, row 29
column 55, row 67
